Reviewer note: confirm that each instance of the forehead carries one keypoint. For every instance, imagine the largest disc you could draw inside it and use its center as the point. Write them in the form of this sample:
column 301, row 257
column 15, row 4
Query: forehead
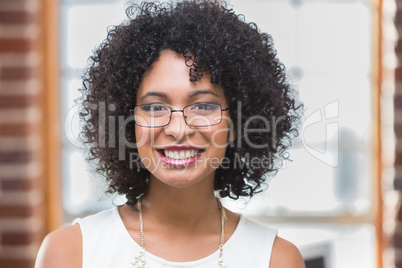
column 170, row 74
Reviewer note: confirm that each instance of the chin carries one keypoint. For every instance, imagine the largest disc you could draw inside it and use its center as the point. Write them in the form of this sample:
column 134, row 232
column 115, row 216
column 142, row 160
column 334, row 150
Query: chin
column 182, row 178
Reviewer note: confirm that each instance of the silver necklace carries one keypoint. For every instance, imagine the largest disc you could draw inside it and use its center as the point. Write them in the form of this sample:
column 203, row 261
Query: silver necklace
column 140, row 261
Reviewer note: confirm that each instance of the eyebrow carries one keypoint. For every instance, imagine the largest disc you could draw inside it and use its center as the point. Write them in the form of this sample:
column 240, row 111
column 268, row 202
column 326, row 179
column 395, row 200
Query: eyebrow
column 154, row 93
column 204, row 91
column 192, row 94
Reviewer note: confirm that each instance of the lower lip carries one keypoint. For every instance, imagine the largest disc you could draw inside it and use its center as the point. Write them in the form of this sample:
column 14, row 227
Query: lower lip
column 179, row 162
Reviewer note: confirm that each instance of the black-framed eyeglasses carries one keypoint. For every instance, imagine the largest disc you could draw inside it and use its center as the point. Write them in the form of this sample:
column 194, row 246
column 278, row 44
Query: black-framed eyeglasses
column 196, row 115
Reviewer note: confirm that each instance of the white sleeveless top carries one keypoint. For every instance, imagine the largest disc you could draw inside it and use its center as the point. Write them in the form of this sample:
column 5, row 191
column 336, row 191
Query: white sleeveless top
column 107, row 243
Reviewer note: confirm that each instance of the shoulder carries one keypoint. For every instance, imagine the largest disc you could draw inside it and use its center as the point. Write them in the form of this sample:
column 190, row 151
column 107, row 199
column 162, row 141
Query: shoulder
column 61, row 248
column 285, row 254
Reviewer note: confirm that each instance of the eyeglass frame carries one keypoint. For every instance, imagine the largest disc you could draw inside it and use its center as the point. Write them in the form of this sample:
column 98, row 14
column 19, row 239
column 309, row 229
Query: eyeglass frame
column 184, row 116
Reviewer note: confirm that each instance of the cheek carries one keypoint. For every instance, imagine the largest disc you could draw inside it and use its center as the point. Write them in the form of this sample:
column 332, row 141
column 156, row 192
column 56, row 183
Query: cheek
column 139, row 136
column 143, row 137
column 220, row 136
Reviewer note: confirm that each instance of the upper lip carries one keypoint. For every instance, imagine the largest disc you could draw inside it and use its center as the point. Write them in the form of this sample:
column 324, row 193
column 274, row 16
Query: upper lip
column 178, row 147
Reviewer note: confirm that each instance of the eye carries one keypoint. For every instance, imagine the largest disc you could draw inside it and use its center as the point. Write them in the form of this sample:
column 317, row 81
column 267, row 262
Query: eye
column 204, row 107
column 154, row 107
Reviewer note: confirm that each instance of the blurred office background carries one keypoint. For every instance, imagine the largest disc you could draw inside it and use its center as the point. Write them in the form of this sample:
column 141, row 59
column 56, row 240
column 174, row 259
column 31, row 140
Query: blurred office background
column 338, row 196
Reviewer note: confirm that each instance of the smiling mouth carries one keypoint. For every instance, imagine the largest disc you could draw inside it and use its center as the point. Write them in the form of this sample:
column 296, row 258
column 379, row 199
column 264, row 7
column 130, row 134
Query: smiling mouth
column 180, row 154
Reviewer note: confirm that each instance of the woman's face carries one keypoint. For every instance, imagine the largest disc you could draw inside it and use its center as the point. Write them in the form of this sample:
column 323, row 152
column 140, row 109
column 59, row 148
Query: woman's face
column 180, row 155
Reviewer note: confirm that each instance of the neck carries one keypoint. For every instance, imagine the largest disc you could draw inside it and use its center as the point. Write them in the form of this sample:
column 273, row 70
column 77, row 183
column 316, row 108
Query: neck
column 181, row 207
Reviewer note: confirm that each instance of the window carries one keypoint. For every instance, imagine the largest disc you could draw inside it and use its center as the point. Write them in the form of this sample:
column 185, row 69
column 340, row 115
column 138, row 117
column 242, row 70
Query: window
column 324, row 195
column 80, row 34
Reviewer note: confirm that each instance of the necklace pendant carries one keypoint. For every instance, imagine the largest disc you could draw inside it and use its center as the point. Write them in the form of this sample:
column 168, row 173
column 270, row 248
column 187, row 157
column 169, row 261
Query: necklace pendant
column 222, row 264
column 139, row 261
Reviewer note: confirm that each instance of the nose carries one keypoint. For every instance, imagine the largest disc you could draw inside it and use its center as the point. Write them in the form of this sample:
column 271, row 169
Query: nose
column 177, row 126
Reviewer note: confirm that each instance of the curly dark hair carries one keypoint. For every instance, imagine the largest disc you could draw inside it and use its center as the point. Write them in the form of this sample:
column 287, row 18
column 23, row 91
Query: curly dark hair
column 213, row 39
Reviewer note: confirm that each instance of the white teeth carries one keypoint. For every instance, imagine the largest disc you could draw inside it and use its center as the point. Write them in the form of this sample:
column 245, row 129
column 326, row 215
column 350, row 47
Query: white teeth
column 180, row 154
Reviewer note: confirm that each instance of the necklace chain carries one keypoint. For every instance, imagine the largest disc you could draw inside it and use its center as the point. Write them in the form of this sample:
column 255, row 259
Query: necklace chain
column 140, row 261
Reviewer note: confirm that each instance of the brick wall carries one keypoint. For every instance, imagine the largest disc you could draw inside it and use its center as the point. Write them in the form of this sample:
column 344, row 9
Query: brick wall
column 391, row 91
column 21, row 86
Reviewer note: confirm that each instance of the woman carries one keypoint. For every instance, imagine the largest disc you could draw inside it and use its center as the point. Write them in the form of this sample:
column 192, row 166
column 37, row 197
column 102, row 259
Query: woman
column 205, row 111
